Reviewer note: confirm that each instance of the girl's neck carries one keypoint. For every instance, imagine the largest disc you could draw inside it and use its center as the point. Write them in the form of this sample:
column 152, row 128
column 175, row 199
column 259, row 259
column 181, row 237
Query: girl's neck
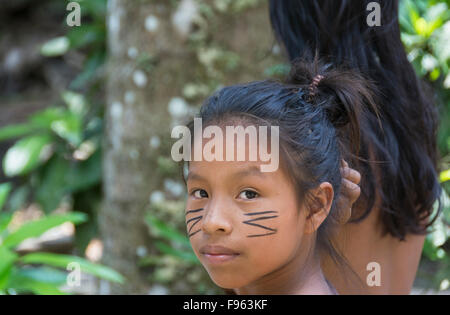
column 299, row 276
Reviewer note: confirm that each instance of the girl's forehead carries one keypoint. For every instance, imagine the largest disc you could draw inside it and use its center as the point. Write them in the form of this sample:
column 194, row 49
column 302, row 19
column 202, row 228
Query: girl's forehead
column 237, row 144
column 228, row 168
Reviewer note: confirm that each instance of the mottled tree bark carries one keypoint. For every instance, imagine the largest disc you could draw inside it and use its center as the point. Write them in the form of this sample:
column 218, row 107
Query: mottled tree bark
column 150, row 61
column 136, row 107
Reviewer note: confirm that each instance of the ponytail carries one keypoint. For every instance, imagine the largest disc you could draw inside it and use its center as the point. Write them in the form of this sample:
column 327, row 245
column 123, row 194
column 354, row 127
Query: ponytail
column 345, row 95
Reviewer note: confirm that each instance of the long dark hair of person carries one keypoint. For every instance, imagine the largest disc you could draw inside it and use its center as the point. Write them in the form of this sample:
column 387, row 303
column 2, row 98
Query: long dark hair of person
column 399, row 160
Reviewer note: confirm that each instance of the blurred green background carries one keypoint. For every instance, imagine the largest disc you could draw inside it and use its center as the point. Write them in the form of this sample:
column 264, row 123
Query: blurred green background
column 58, row 88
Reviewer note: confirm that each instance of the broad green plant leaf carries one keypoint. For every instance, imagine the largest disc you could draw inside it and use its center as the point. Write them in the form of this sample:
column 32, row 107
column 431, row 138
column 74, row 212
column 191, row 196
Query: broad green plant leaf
column 36, row 228
column 5, row 189
column 7, row 259
column 41, row 281
column 26, row 154
column 62, row 261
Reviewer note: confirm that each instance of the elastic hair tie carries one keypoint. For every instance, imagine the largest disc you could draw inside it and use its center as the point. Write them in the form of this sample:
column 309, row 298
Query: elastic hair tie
column 313, row 86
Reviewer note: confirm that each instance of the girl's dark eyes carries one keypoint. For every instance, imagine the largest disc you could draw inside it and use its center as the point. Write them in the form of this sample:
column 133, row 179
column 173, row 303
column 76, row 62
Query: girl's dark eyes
column 245, row 194
column 248, row 194
column 200, row 193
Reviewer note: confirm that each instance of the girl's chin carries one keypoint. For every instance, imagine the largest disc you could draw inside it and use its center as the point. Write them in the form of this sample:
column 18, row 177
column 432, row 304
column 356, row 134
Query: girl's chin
column 225, row 282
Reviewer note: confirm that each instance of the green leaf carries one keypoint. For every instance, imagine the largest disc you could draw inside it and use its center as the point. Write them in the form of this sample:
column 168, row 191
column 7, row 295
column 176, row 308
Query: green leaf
column 441, row 48
column 19, row 197
column 440, row 233
column 69, row 128
column 85, row 35
column 429, row 250
column 413, row 12
column 65, row 123
column 60, row 177
column 46, row 117
column 90, row 68
column 5, row 219
column 412, row 41
column 436, row 15
column 444, row 176
column 7, row 259
column 435, row 74
column 96, row 8
column 62, row 261
column 75, row 101
column 26, row 154
column 4, row 192
column 163, row 230
column 15, row 131
column 55, row 47
column 421, row 27
column 43, row 275
column 52, row 186
column 37, row 280
column 85, row 174
column 36, row 228
column 405, row 18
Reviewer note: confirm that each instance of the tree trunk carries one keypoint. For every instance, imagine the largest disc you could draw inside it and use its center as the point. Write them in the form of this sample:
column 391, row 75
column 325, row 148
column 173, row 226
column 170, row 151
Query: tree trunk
column 151, row 59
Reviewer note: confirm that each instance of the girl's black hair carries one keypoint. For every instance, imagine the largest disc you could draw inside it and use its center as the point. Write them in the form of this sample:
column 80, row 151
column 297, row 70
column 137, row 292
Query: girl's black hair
column 405, row 174
column 315, row 133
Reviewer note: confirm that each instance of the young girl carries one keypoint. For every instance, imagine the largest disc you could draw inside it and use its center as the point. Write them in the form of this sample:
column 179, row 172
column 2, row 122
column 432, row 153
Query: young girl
column 265, row 232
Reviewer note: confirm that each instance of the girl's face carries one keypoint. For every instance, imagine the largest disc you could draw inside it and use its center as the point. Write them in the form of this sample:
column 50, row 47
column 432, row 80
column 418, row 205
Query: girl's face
column 243, row 224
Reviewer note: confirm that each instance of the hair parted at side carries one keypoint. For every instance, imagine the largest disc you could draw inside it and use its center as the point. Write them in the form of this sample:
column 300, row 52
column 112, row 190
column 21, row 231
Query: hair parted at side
column 398, row 162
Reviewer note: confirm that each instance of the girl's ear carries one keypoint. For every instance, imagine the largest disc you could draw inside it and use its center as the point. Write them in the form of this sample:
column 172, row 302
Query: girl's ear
column 320, row 209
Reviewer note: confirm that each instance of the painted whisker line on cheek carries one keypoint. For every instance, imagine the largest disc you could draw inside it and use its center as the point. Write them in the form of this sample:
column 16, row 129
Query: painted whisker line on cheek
column 193, row 233
column 261, row 218
column 250, row 222
column 258, row 213
column 193, row 211
column 196, row 219
column 261, row 226
column 257, row 235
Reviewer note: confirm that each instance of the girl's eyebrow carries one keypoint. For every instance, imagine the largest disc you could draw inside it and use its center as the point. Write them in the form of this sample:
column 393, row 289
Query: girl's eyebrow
column 195, row 176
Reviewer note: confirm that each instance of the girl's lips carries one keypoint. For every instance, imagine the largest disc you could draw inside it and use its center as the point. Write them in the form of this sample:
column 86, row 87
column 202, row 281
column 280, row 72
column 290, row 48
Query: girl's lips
column 219, row 258
column 216, row 254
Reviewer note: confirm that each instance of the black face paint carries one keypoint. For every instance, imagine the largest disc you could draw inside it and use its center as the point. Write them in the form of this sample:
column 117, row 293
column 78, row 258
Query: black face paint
column 195, row 220
column 250, row 222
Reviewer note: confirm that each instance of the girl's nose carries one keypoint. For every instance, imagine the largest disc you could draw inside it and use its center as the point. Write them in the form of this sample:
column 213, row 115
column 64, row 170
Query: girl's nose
column 216, row 220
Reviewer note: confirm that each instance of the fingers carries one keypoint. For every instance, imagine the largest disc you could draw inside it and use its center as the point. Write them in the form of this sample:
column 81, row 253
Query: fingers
column 344, row 163
column 349, row 173
column 352, row 175
column 350, row 190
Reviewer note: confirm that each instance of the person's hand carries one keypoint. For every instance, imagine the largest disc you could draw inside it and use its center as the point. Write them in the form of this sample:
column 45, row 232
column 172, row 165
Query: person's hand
column 350, row 192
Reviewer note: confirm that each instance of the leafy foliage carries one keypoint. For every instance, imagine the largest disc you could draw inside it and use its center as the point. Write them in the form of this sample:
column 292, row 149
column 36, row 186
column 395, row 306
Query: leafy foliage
column 20, row 274
column 58, row 155
column 426, row 36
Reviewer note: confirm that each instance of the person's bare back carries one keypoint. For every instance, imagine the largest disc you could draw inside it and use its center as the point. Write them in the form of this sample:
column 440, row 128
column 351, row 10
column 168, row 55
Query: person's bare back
column 362, row 244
